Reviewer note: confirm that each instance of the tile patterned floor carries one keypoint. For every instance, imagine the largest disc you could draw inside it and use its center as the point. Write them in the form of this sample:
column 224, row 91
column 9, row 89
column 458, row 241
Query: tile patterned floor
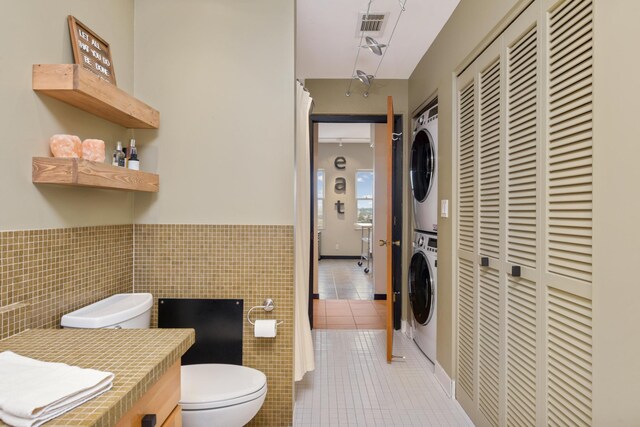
column 346, row 297
column 343, row 279
column 353, row 385
column 344, row 314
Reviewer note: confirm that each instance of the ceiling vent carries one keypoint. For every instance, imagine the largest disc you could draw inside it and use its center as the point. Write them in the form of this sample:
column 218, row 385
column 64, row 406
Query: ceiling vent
column 371, row 24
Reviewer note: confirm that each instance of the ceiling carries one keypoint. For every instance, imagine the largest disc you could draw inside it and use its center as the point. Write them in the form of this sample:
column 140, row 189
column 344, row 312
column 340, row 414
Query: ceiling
column 328, row 36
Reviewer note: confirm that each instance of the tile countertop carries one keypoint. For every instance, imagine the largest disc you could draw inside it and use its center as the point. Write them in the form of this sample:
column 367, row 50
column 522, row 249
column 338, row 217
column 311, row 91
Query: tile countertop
column 137, row 357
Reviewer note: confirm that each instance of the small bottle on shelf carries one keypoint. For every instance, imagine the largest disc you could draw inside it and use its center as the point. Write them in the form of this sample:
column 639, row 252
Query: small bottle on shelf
column 114, row 157
column 118, row 156
column 134, row 163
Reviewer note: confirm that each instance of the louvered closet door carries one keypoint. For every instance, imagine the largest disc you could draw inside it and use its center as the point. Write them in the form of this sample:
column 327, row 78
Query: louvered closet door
column 466, row 238
column 568, row 202
column 480, row 237
column 490, row 198
column 523, row 313
column 524, row 231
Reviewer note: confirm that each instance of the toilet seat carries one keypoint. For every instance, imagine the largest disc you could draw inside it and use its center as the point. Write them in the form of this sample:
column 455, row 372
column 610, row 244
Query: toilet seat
column 211, row 386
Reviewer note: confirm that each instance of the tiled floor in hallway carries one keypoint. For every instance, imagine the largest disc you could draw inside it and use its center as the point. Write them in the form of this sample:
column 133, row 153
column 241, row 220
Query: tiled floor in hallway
column 346, row 297
column 343, row 279
column 353, row 385
column 353, row 314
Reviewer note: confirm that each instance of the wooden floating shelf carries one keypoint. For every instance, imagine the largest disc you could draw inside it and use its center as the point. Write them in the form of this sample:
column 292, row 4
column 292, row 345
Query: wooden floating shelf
column 84, row 173
column 81, row 88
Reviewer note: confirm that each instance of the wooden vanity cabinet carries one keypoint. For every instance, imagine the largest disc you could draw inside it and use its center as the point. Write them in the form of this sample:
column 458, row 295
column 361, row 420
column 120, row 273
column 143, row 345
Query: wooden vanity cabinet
column 161, row 399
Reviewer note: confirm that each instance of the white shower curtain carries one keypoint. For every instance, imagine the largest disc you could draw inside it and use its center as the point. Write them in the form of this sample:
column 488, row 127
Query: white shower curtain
column 303, row 345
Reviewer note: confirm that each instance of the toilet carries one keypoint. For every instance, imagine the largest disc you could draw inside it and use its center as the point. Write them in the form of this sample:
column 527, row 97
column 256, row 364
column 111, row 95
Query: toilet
column 212, row 395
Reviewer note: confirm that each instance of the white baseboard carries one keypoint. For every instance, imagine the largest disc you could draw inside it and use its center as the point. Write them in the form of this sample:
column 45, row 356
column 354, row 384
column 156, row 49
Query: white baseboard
column 449, row 387
column 447, row 383
column 406, row 329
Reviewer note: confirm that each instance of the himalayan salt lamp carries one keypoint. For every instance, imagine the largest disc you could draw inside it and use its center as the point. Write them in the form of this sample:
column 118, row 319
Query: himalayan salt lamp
column 65, row 146
column 93, row 149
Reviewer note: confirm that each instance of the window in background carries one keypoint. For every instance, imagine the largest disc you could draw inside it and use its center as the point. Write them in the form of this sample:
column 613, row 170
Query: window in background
column 320, row 193
column 364, row 196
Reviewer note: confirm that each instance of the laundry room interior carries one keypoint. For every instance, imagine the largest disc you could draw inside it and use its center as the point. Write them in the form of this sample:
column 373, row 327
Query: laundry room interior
column 319, row 213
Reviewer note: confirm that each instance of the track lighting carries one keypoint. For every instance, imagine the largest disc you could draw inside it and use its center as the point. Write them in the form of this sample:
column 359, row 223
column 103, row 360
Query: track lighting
column 374, row 46
column 364, row 77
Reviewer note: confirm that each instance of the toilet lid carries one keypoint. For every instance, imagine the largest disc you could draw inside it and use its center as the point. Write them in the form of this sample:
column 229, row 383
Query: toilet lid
column 211, row 386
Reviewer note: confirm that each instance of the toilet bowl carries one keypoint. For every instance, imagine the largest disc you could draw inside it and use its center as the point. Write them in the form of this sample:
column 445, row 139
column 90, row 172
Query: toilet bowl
column 212, row 395
column 232, row 399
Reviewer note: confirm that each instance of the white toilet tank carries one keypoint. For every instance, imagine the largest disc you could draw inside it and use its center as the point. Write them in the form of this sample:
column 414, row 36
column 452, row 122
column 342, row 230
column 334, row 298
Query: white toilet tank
column 120, row 311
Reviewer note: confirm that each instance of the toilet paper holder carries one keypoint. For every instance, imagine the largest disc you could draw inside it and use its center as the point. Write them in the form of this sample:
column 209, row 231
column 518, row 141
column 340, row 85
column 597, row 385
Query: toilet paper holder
column 267, row 305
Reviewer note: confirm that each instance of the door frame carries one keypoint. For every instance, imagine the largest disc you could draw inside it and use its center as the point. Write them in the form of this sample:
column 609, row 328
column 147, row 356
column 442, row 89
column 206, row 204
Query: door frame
column 396, row 182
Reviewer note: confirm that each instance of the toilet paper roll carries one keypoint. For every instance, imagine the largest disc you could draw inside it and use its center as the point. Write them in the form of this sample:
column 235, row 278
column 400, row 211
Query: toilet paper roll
column 265, row 328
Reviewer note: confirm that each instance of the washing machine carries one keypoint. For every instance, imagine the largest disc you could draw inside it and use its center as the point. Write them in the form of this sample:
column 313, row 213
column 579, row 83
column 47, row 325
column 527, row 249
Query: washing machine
column 423, row 280
column 423, row 172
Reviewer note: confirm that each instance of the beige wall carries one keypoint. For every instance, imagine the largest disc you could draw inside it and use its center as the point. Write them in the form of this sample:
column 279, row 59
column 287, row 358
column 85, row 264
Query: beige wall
column 470, row 23
column 339, row 229
column 616, row 230
column 222, row 75
column 329, row 98
column 36, row 32
column 224, row 84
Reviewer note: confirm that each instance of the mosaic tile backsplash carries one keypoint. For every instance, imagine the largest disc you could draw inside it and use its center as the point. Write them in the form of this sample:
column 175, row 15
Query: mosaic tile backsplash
column 47, row 273
column 251, row 262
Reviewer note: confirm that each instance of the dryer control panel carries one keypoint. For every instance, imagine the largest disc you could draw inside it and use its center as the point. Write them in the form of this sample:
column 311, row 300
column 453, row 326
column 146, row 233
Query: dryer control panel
column 426, row 117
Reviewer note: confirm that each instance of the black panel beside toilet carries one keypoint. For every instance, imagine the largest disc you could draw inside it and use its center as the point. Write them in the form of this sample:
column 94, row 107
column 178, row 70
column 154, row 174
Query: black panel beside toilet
column 218, row 324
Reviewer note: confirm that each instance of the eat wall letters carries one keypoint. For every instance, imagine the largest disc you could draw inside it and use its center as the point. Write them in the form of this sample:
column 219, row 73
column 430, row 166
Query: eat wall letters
column 341, row 182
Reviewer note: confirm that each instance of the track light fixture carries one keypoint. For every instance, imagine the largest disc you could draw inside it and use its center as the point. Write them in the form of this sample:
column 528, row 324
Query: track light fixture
column 364, row 77
column 376, row 48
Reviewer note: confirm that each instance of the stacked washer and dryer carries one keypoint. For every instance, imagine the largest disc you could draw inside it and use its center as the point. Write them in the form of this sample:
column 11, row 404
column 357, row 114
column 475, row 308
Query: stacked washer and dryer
column 424, row 262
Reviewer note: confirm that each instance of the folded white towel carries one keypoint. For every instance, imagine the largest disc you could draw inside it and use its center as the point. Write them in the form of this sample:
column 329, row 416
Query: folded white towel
column 14, row 421
column 32, row 391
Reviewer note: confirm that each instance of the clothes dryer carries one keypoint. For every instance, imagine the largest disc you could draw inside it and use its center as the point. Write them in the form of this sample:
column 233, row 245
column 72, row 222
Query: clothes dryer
column 423, row 173
column 423, row 292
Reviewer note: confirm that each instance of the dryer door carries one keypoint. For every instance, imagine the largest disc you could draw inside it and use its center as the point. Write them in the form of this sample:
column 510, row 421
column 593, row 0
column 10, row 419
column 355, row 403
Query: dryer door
column 422, row 165
column 421, row 288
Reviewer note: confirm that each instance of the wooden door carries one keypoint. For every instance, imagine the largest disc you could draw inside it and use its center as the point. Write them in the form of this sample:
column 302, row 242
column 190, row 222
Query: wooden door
column 389, row 238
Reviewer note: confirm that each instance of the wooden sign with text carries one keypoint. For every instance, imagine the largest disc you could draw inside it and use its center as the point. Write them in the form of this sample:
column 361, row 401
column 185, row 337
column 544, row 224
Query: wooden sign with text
column 91, row 51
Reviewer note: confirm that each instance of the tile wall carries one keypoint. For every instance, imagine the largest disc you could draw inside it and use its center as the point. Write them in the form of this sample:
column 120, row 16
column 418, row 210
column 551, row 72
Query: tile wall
column 47, row 273
column 251, row 262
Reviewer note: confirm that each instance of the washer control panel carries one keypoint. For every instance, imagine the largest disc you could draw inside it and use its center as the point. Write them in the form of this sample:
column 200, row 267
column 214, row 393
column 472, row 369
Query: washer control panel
column 432, row 245
column 426, row 243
